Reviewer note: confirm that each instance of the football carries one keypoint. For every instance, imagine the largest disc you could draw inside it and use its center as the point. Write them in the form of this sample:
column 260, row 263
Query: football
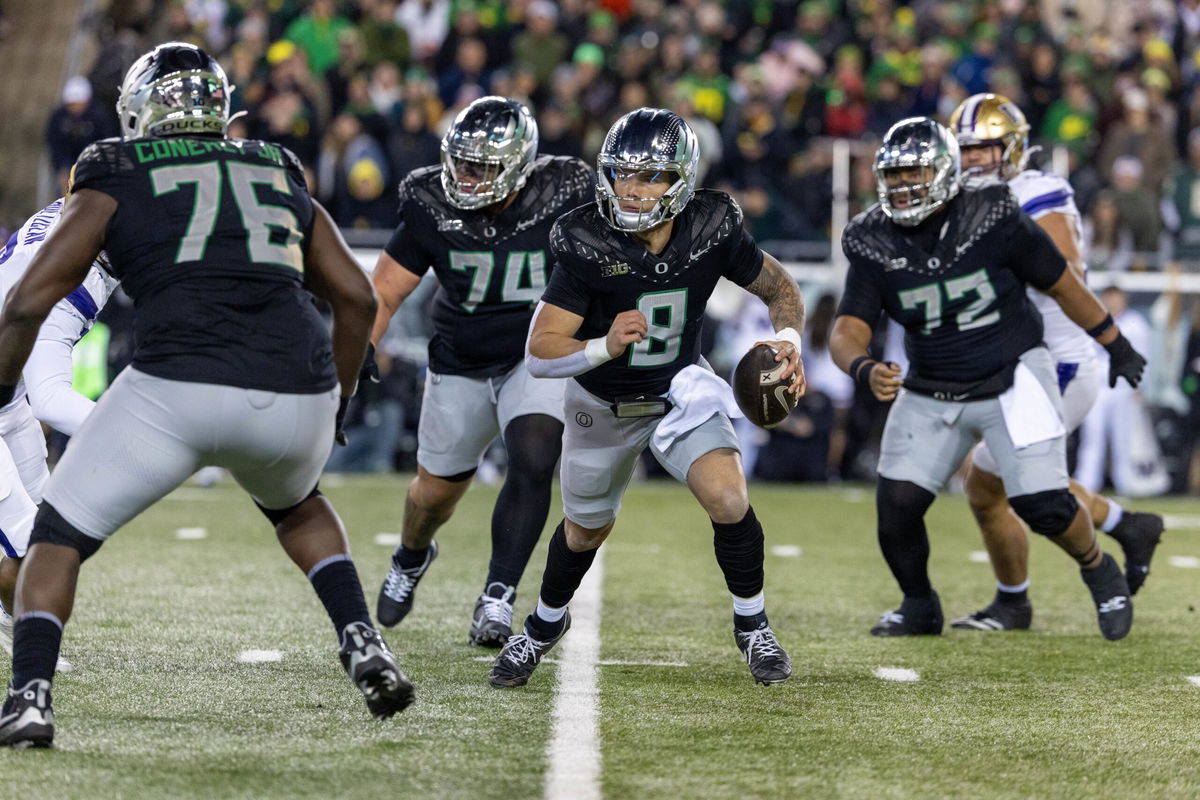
column 761, row 394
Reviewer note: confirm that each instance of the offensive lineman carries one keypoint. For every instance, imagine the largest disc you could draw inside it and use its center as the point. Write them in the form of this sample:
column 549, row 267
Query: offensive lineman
column 622, row 316
column 992, row 136
column 43, row 394
column 951, row 266
column 482, row 222
column 219, row 245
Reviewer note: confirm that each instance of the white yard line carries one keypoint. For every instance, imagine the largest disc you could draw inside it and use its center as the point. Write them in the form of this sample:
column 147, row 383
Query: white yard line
column 1187, row 562
column 786, row 550
column 260, row 656
column 191, row 533
column 978, row 557
column 387, row 539
column 1194, row 680
column 1178, row 522
column 573, row 752
column 897, row 674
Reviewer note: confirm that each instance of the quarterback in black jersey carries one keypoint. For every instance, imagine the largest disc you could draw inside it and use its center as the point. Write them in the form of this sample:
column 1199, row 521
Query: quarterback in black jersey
column 481, row 220
column 622, row 315
column 222, row 250
column 950, row 263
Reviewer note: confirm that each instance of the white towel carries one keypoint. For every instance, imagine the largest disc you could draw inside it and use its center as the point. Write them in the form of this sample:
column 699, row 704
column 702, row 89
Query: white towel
column 1029, row 413
column 696, row 393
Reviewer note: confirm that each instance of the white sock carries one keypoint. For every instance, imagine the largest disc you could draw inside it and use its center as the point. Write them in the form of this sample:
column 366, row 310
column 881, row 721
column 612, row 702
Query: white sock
column 548, row 614
column 1020, row 587
column 1115, row 512
column 748, row 606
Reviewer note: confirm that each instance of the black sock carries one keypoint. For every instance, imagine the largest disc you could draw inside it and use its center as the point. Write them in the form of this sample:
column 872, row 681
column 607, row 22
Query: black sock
column 533, row 442
column 750, row 623
column 564, row 569
column 900, row 508
column 409, row 559
column 739, row 549
column 336, row 583
column 1012, row 598
column 37, row 637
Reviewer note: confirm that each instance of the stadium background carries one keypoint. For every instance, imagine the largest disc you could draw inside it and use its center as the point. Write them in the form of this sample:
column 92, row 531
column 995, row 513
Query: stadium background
column 788, row 100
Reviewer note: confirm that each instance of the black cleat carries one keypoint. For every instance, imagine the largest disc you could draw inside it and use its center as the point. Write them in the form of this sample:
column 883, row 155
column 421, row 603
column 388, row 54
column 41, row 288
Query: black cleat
column 998, row 617
column 915, row 617
column 372, row 668
column 1138, row 533
column 27, row 717
column 399, row 587
column 1110, row 593
column 491, row 623
column 521, row 655
column 768, row 661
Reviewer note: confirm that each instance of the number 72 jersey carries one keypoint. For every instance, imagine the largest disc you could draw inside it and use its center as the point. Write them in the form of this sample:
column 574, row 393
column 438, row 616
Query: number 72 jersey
column 956, row 282
column 208, row 238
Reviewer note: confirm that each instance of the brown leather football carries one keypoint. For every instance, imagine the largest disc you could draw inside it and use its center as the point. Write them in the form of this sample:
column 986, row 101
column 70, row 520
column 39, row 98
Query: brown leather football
column 761, row 394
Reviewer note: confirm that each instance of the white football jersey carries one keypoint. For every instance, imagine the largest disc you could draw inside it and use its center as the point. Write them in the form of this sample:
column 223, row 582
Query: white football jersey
column 49, row 368
column 1041, row 193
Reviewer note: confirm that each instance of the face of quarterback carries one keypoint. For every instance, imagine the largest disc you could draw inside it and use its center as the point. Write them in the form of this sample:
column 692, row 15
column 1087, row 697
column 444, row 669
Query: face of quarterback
column 981, row 159
column 908, row 184
column 638, row 191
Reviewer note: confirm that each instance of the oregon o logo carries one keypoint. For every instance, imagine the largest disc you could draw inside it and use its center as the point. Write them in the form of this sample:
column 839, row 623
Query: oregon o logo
column 934, row 263
column 583, row 419
column 662, row 267
column 489, row 231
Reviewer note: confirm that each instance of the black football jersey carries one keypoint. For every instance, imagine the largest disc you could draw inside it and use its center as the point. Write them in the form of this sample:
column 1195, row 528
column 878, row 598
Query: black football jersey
column 600, row 272
column 209, row 239
column 491, row 270
column 956, row 282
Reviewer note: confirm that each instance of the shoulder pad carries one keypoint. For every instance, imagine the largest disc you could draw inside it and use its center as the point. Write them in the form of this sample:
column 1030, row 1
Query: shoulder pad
column 1041, row 191
column 715, row 216
column 101, row 158
column 292, row 162
column 868, row 235
column 556, row 184
column 983, row 206
column 424, row 187
column 581, row 233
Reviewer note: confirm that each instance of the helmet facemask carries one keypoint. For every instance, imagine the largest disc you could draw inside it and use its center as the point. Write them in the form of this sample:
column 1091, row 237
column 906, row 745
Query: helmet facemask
column 650, row 212
column 922, row 147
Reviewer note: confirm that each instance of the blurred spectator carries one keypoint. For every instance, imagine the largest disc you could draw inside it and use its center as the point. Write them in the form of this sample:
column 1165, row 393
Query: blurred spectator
column 1185, row 197
column 541, row 46
column 972, row 69
column 427, row 23
column 706, row 86
column 316, row 32
column 1071, row 119
column 351, row 61
column 469, row 69
column 557, row 136
column 1137, row 206
column 385, row 39
column 1142, row 136
column 413, row 145
column 1042, row 83
column 73, row 126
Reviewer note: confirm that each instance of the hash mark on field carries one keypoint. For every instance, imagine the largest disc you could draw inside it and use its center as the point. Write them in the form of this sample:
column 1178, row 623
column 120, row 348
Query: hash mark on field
column 191, row 533
column 1194, row 680
column 1187, row 562
column 897, row 674
column 1186, row 522
column 573, row 752
column 387, row 539
column 978, row 557
column 260, row 656
column 786, row 550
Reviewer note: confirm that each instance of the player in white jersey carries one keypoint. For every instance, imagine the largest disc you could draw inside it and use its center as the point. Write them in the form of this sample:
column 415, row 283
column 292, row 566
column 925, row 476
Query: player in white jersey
column 44, row 394
column 993, row 137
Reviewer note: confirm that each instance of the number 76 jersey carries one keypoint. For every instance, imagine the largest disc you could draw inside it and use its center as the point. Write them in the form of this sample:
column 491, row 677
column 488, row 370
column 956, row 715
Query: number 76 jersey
column 208, row 239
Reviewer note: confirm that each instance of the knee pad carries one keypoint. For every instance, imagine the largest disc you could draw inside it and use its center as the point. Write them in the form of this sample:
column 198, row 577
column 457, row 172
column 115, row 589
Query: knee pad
column 50, row 527
column 901, row 497
column 1047, row 513
column 278, row 515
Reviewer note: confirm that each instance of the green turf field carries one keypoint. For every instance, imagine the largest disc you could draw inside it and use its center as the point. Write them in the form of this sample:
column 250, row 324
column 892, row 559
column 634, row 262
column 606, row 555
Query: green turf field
column 159, row 706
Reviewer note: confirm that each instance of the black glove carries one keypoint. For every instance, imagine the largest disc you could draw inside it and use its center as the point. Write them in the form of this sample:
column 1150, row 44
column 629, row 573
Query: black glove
column 1124, row 362
column 339, row 435
column 370, row 370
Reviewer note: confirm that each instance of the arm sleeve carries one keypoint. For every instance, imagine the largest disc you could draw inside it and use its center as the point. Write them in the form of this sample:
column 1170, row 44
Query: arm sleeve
column 48, row 372
column 861, row 297
column 1032, row 254
column 403, row 246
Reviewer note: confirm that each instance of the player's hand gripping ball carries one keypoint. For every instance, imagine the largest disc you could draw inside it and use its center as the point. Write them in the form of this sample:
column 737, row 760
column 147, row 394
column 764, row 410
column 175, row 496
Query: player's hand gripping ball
column 761, row 391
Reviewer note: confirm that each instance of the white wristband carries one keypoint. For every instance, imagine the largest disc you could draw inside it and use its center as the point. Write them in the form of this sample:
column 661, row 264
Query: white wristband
column 596, row 351
column 789, row 335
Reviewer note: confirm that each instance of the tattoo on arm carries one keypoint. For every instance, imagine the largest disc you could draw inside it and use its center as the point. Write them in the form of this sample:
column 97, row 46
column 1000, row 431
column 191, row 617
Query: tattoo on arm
column 781, row 294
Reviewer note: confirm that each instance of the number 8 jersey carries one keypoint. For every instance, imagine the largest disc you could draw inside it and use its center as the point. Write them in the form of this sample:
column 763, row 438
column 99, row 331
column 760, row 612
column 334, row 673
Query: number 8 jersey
column 208, row 239
column 491, row 267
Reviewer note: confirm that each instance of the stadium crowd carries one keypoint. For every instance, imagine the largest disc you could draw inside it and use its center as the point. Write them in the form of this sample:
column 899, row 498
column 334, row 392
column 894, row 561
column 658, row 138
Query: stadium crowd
column 361, row 91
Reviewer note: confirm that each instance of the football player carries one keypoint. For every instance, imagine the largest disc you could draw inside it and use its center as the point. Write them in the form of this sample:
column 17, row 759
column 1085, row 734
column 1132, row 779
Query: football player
column 622, row 316
column 951, row 265
column 222, row 250
column 992, row 135
column 481, row 220
column 43, row 394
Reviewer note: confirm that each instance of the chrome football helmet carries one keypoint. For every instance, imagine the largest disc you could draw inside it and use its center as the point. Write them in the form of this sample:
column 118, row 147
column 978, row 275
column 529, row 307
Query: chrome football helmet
column 176, row 89
column 993, row 119
column 647, row 140
column 488, row 152
column 917, row 142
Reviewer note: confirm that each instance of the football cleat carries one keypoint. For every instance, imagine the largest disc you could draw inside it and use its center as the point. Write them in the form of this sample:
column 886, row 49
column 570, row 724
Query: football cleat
column 27, row 717
column 372, row 668
column 521, row 655
column 399, row 587
column 491, row 623
column 1110, row 593
column 998, row 617
column 914, row 617
column 768, row 661
column 1138, row 533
